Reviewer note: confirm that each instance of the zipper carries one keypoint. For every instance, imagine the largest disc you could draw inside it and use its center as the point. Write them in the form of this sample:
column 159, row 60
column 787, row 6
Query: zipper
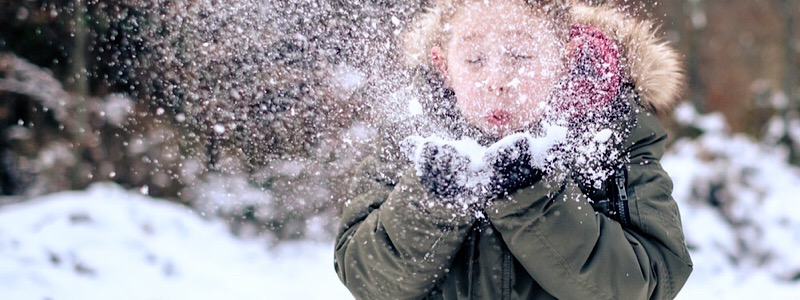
column 471, row 268
column 620, row 180
column 506, row 277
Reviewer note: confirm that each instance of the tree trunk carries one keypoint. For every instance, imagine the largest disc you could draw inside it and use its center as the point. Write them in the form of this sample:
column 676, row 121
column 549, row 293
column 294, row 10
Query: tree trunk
column 695, row 10
column 78, row 81
column 790, row 72
column 78, row 84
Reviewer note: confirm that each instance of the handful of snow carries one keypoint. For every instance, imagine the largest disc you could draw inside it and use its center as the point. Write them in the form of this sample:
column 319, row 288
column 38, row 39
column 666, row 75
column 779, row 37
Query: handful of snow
column 478, row 172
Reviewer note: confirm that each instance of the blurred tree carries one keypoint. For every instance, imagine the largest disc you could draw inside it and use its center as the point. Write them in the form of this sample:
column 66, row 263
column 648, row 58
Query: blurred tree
column 791, row 52
column 78, row 81
column 738, row 54
column 76, row 130
column 78, row 78
column 695, row 25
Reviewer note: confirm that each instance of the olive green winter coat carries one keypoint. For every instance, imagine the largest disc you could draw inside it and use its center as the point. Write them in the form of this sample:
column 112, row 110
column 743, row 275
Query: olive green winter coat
column 541, row 242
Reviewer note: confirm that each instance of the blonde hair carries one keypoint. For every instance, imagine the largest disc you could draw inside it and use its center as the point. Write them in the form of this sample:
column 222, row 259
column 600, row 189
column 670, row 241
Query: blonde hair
column 429, row 29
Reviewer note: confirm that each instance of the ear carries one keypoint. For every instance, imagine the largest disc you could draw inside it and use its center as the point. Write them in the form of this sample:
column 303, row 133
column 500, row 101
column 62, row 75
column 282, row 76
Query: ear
column 439, row 61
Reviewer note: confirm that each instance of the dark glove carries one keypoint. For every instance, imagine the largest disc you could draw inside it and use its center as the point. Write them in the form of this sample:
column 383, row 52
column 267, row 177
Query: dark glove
column 595, row 98
column 443, row 170
column 594, row 161
column 511, row 168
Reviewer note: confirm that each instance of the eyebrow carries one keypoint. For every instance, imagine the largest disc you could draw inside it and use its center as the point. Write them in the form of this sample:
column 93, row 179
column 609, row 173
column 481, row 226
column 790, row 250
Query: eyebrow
column 476, row 35
column 521, row 33
column 471, row 36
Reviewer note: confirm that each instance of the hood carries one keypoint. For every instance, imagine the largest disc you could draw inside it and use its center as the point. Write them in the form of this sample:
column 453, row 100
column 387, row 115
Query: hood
column 649, row 64
column 648, row 61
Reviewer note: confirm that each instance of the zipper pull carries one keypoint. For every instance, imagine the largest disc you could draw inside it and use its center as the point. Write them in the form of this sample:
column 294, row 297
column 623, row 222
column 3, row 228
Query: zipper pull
column 621, row 178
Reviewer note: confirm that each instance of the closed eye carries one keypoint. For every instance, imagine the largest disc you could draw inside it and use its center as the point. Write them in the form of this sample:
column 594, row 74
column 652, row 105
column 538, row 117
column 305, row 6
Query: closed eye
column 520, row 56
column 476, row 60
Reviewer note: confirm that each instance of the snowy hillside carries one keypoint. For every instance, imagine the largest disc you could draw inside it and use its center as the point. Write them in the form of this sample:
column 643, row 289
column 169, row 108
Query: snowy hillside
column 739, row 204
column 107, row 243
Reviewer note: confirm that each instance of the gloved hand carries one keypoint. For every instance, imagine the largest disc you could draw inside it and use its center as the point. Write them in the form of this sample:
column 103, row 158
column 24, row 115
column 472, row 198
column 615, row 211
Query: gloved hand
column 511, row 168
column 599, row 107
column 593, row 78
column 443, row 170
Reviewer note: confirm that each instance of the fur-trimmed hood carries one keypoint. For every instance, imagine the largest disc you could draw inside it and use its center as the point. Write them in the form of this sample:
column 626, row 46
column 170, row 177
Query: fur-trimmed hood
column 649, row 62
column 649, row 65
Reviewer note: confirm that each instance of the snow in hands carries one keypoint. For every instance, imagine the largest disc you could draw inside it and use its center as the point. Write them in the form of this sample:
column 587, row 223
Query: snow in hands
column 471, row 170
column 471, row 164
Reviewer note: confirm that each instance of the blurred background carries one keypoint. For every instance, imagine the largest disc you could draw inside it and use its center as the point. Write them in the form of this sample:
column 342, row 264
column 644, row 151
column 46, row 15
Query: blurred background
column 255, row 113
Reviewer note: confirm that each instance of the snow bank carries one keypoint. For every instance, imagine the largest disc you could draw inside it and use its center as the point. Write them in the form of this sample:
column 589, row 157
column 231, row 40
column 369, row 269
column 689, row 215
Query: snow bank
column 739, row 204
column 107, row 243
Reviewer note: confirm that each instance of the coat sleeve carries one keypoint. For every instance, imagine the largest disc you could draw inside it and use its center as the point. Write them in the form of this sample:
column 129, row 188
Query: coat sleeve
column 575, row 253
column 395, row 240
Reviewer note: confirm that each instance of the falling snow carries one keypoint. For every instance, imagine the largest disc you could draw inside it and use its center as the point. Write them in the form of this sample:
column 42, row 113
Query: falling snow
column 254, row 115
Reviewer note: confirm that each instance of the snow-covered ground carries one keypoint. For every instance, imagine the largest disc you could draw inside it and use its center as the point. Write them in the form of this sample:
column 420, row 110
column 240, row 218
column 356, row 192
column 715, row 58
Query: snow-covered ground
column 108, row 243
column 739, row 205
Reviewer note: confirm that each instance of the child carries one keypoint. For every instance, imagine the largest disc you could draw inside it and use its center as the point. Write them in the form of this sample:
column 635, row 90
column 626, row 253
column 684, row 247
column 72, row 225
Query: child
column 504, row 67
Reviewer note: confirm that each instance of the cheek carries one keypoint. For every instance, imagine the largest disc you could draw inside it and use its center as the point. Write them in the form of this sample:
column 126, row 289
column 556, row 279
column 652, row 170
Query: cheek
column 468, row 102
column 540, row 78
column 468, row 97
column 538, row 87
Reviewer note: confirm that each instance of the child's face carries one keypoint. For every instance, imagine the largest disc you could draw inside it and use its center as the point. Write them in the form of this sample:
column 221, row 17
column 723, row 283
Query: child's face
column 502, row 62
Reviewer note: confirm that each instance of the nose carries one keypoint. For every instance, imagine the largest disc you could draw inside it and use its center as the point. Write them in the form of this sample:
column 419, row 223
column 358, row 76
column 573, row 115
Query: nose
column 497, row 80
column 497, row 88
column 497, row 74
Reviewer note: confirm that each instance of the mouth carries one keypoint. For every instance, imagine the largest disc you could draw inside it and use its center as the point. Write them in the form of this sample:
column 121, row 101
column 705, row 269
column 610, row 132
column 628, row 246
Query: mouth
column 498, row 117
